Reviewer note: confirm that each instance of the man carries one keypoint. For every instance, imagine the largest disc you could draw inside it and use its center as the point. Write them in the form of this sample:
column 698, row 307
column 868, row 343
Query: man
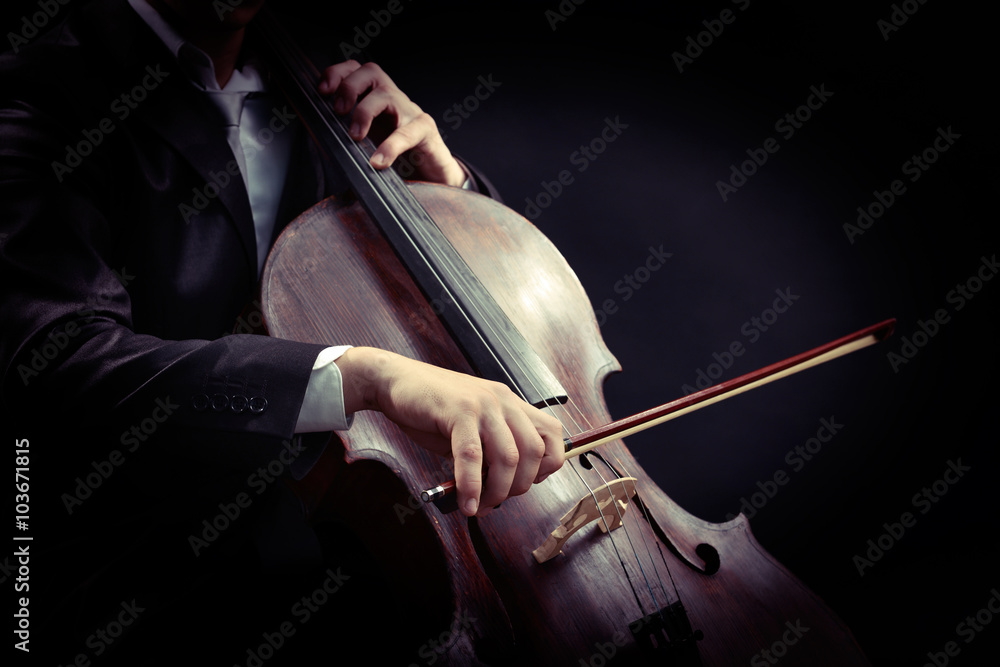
column 122, row 267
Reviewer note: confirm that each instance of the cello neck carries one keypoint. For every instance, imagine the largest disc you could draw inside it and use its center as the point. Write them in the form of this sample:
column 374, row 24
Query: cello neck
column 490, row 342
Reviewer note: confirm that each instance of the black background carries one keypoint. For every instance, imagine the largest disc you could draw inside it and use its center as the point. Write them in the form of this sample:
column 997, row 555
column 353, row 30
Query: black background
column 656, row 184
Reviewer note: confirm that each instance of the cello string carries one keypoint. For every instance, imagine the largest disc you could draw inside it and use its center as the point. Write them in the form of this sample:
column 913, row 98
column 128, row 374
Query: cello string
column 638, row 560
column 628, row 536
column 392, row 189
column 628, row 577
column 393, row 186
column 645, row 514
column 572, row 403
column 552, row 406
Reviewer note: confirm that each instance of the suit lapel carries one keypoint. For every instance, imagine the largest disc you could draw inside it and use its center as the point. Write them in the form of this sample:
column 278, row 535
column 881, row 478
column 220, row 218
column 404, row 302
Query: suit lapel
column 185, row 119
column 190, row 124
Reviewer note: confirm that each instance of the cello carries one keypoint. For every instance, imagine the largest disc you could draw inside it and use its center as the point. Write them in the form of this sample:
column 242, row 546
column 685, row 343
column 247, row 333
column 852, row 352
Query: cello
column 597, row 565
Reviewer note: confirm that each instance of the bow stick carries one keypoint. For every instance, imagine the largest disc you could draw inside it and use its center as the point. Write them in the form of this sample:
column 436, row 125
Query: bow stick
column 595, row 437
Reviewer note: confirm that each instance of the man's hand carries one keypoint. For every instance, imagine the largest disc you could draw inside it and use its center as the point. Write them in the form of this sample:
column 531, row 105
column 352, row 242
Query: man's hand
column 455, row 414
column 371, row 94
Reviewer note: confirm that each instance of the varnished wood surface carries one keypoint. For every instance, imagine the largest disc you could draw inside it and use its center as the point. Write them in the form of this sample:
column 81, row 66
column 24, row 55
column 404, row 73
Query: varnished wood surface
column 332, row 280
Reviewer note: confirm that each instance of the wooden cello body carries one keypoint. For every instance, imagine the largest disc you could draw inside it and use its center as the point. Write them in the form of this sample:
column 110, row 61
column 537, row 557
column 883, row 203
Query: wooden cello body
column 455, row 279
column 664, row 588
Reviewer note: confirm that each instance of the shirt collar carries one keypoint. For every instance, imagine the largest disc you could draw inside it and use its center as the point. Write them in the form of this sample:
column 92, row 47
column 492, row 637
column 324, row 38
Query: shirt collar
column 193, row 60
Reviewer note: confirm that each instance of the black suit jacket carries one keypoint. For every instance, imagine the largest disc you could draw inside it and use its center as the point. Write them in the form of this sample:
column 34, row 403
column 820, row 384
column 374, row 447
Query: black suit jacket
column 126, row 256
column 124, row 259
column 105, row 142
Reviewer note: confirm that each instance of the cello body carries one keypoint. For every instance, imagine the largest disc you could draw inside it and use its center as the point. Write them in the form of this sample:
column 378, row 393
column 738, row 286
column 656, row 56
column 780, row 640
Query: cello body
column 665, row 588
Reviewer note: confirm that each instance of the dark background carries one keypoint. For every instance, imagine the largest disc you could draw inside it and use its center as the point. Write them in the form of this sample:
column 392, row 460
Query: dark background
column 656, row 185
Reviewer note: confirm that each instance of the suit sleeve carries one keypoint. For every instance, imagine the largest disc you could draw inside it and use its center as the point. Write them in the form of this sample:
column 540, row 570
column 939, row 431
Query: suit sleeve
column 478, row 181
column 68, row 348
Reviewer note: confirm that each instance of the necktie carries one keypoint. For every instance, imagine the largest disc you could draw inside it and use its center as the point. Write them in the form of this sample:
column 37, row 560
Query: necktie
column 231, row 106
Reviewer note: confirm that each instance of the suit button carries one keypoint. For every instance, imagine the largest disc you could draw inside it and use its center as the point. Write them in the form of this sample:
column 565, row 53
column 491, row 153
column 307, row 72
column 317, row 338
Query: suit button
column 239, row 403
column 220, row 402
column 257, row 404
column 200, row 402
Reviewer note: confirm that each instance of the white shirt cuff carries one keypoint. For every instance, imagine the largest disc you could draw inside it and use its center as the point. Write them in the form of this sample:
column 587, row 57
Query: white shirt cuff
column 323, row 406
